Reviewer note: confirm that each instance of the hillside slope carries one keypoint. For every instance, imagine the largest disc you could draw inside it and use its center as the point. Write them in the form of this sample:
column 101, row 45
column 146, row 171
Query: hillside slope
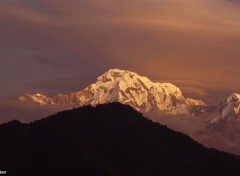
column 110, row 139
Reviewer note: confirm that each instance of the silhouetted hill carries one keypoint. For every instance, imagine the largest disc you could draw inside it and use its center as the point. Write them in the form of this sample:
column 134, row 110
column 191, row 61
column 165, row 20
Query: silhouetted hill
column 111, row 139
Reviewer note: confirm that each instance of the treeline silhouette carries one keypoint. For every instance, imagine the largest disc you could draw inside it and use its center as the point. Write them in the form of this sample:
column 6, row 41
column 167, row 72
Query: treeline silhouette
column 107, row 140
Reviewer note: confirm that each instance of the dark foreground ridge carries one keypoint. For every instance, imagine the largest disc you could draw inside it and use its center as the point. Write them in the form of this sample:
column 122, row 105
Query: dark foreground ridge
column 111, row 139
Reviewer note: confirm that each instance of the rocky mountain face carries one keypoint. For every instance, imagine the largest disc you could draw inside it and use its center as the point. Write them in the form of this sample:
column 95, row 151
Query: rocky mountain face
column 229, row 110
column 125, row 87
column 222, row 128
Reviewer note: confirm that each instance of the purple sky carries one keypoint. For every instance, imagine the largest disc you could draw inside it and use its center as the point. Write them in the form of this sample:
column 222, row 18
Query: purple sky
column 59, row 46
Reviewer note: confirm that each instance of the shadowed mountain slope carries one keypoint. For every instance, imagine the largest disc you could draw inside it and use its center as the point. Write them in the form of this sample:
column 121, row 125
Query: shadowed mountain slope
column 110, row 139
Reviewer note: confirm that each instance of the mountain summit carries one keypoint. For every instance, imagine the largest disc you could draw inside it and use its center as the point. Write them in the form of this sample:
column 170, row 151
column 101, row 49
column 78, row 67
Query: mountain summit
column 125, row 87
column 228, row 110
column 162, row 102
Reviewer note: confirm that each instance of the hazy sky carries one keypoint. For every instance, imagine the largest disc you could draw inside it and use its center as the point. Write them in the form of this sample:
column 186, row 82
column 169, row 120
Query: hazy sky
column 54, row 46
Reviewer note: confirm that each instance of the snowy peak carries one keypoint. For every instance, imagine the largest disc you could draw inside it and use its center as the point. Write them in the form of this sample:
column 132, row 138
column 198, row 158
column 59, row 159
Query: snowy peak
column 144, row 95
column 232, row 105
column 125, row 79
column 114, row 74
column 125, row 87
column 38, row 98
column 229, row 110
column 233, row 99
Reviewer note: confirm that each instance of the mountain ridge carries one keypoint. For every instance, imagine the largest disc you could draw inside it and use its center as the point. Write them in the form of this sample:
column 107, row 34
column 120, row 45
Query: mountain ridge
column 125, row 87
column 229, row 109
column 204, row 123
column 109, row 139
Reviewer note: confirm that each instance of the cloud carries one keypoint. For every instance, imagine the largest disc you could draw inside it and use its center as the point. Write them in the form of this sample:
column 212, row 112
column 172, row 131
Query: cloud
column 43, row 42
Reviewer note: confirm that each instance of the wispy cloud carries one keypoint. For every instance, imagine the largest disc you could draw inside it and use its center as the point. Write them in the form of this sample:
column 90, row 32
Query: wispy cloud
column 162, row 39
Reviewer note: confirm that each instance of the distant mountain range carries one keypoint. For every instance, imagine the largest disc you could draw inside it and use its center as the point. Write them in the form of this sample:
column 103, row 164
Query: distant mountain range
column 125, row 87
column 220, row 124
column 106, row 140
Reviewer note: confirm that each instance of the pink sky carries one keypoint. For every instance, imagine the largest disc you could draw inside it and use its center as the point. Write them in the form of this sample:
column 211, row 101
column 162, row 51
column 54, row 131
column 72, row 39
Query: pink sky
column 62, row 46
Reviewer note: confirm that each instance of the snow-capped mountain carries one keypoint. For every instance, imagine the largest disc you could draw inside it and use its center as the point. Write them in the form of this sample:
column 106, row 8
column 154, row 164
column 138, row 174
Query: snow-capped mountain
column 222, row 127
column 125, row 87
column 229, row 110
column 214, row 126
column 37, row 98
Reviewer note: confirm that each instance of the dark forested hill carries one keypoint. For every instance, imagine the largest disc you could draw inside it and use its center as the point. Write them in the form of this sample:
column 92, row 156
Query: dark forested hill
column 111, row 139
